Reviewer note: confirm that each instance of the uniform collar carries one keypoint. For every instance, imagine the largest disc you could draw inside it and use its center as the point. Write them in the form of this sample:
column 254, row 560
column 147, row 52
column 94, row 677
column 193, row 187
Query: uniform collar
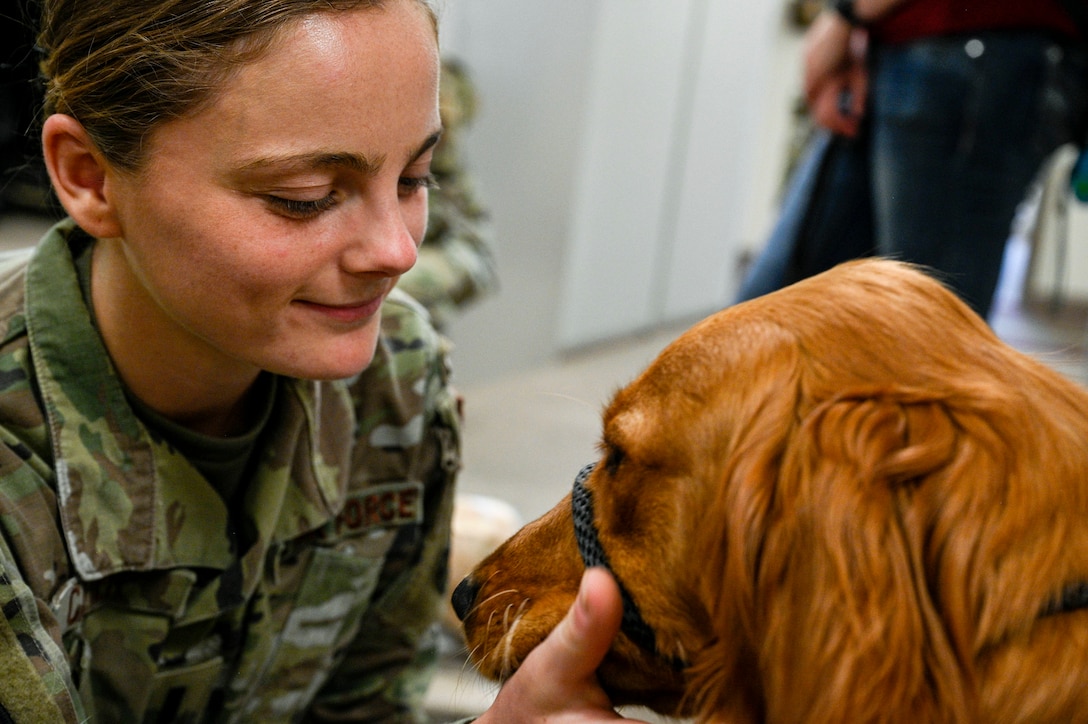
column 127, row 502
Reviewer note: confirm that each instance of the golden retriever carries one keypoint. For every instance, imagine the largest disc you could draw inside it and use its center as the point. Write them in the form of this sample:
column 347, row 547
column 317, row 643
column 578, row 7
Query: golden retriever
column 846, row 501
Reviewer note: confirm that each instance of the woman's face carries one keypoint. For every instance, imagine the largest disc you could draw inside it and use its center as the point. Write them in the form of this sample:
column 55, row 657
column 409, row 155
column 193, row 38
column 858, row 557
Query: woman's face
column 270, row 225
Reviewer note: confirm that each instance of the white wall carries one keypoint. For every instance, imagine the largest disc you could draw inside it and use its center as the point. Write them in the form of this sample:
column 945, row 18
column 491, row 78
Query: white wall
column 629, row 150
column 641, row 72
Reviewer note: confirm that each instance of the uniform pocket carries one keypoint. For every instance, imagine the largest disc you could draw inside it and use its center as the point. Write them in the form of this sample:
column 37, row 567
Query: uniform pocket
column 138, row 666
column 319, row 617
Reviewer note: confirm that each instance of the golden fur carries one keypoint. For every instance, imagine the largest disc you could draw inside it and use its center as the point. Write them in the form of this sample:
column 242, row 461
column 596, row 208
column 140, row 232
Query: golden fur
column 845, row 501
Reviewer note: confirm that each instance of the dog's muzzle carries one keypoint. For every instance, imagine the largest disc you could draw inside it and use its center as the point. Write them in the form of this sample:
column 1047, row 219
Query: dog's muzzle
column 592, row 552
column 589, row 545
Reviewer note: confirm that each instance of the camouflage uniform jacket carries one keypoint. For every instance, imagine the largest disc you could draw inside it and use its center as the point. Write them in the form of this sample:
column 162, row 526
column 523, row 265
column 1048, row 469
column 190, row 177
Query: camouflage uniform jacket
column 129, row 592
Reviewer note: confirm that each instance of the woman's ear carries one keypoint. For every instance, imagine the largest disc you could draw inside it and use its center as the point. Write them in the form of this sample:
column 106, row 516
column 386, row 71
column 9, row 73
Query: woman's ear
column 79, row 175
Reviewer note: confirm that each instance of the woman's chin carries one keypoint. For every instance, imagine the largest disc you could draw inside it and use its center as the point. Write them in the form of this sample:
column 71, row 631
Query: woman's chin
column 335, row 362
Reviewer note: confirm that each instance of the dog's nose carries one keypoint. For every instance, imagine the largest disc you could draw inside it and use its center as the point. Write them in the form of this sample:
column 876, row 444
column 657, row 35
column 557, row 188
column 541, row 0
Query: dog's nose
column 464, row 596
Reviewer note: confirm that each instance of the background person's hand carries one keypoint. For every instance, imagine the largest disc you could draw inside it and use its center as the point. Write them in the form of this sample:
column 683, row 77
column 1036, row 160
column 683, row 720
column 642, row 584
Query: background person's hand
column 836, row 81
column 557, row 682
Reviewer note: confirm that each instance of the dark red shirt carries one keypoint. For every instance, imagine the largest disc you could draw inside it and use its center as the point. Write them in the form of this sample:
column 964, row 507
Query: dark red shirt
column 925, row 18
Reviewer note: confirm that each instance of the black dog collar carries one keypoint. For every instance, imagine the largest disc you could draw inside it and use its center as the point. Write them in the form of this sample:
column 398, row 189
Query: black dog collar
column 589, row 545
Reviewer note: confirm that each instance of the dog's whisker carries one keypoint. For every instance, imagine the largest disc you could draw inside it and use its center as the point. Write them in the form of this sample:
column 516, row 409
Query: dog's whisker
column 571, row 398
column 493, row 596
column 495, row 651
column 506, row 618
column 478, row 604
column 467, row 664
column 487, row 635
column 509, row 663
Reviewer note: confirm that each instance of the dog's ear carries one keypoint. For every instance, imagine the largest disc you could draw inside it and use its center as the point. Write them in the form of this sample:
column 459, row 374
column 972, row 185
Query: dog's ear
column 843, row 597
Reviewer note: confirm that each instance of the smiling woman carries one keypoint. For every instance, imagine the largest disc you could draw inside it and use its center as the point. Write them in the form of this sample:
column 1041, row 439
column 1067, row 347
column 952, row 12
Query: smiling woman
column 309, row 201
column 208, row 365
column 206, row 375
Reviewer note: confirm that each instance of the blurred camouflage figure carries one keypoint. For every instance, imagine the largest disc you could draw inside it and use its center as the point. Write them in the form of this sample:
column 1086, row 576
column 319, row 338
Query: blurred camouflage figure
column 455, row 265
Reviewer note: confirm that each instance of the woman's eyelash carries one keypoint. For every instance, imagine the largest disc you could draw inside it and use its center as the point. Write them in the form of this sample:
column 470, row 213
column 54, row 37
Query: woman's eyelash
column 298, row 209
column 411, row 183
column 302, row 209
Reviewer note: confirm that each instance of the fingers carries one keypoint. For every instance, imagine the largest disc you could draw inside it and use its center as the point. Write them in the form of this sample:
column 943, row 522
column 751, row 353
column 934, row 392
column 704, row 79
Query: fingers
column 584, row 636
column 840, row 105
column 832, row 108
column 826, row 52
column 835, row 75
column 557, row 682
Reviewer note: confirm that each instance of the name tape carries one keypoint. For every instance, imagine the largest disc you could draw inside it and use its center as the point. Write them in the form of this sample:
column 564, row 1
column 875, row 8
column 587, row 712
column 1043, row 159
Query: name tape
column 383, row 506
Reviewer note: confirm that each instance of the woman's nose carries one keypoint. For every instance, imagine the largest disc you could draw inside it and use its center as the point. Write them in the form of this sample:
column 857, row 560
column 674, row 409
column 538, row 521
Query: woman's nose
column 384, row 239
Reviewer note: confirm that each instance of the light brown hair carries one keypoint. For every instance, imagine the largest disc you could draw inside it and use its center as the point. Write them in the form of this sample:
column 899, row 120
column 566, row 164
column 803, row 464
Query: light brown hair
column 122, row 67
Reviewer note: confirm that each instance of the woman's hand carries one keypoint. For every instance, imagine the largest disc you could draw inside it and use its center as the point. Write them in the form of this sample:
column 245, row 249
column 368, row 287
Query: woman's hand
column 557, row 682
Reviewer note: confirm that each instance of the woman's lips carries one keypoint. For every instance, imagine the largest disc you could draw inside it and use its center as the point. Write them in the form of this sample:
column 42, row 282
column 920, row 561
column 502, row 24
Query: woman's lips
column 351, row 313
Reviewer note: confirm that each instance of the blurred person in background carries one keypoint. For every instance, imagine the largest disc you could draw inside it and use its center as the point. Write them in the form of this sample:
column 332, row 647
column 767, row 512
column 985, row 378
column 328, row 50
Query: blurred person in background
column 456, row 266
column 940, row 113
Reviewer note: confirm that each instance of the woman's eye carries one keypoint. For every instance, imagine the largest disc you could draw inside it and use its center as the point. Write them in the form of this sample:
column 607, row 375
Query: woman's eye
column 411, row 184
column 298, row 209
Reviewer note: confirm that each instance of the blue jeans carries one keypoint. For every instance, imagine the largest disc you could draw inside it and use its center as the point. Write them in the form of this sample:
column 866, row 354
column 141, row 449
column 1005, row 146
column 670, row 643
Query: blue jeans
column 957, row 128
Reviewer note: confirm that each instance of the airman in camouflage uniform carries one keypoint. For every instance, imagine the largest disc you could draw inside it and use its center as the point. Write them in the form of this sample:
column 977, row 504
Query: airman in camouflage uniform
column 130, row 591
column 455, row 264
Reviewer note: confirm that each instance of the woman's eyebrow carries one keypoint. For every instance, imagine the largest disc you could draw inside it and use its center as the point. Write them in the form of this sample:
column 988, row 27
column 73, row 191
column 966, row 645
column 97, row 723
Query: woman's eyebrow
column 427, row 144
column 301, row 162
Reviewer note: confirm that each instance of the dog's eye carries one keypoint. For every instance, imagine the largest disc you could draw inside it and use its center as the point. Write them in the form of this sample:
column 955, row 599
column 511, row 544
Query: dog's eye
column 612, row 462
